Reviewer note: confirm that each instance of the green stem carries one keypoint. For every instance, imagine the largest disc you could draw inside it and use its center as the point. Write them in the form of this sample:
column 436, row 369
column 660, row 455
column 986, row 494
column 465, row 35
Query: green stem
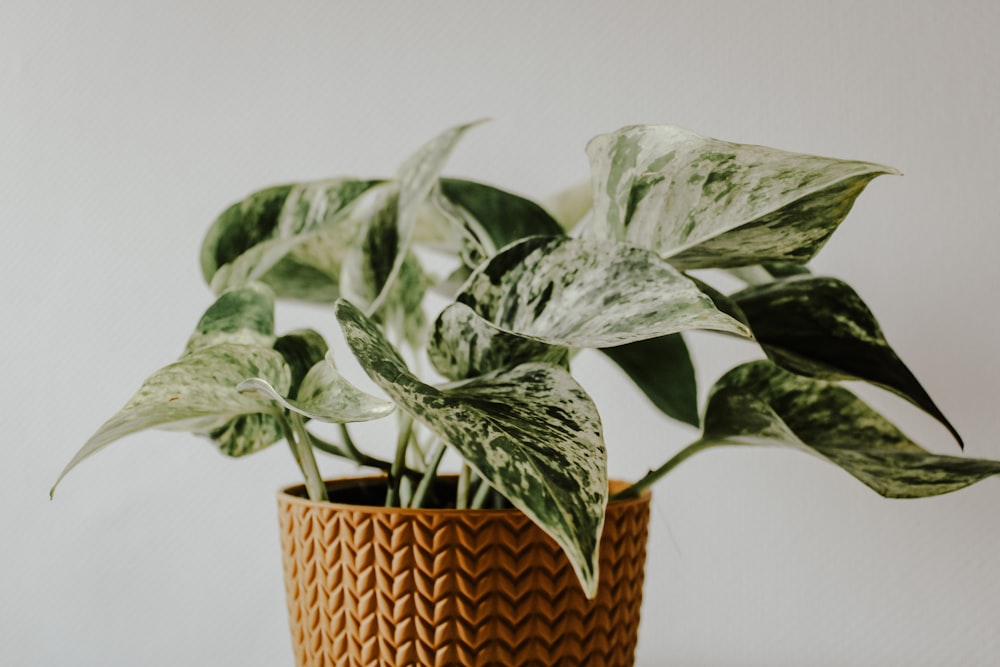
column 482, row 493
column 363, row 460
column 428, row 479
column 298, row 439
column 398, row 463
column 654, row 475
column 462, row 493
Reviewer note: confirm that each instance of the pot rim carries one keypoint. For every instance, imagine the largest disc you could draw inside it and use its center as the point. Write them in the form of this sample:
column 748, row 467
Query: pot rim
column 287, row 495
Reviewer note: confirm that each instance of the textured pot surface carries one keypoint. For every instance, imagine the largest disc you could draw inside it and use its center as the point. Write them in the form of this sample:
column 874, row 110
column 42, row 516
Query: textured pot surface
column 389, row 587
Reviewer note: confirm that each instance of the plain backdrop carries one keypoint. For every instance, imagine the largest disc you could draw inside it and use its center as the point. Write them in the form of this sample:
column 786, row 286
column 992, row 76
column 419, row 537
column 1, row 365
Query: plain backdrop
column 125, row 127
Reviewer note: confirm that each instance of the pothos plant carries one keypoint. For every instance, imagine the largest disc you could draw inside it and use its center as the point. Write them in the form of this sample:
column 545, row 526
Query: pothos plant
column 527, row 293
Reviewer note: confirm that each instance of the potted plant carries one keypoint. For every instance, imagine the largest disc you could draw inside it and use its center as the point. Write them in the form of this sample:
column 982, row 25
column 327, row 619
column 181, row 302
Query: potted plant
column 529, row 553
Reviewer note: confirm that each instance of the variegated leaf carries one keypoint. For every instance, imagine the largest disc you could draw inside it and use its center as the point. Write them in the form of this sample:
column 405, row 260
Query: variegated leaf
column 702, row 202
column 661, row 367
column 760, row 403
column 292, row 237
column 302, row 350
column 198, row 394
column 586, row 293
column 820, row 327
column 416, row 177
column 243, row 315
column 531, row 432
column 324, row 395
column 464, row 345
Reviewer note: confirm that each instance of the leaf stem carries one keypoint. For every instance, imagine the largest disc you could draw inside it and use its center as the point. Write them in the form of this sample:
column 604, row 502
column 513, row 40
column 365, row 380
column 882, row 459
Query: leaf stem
column 428, row 479
column 654, row 475
column 462, row 493
column 362, row 460
column 482, row 493
column 298, row 439
column 398, row 463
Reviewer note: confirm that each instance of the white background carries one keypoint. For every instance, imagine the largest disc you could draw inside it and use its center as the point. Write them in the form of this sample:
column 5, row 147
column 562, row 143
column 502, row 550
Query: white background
column 126, row 127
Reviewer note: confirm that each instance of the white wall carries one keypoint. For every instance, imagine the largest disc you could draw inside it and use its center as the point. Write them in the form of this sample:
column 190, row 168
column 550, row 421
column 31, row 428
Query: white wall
column 126, row 127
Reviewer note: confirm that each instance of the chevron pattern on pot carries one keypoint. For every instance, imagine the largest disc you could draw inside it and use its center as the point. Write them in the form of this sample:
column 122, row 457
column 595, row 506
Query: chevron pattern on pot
column 371, row 587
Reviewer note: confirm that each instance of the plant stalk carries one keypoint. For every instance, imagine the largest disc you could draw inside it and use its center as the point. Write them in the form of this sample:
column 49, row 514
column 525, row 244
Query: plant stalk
column 298, row 439
column 654, row 475
column 464, row 482
column 428, row 479
column 482, row 493
column 398, row 463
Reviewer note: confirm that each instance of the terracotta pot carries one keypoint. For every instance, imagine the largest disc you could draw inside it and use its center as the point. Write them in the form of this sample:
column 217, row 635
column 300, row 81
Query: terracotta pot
column 388, row 587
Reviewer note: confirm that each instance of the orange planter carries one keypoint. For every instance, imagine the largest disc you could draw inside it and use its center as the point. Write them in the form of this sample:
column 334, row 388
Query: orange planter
column 389, row 587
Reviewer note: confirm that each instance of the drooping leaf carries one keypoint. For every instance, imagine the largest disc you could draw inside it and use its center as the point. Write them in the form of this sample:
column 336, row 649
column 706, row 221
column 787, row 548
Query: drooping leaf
column 292, row 237
column 198, row 394
column 706, row 203
column 661, row 367
column 302, row 350
column 464, row 345
column 530, row 431
column 324, row 395
column 586, row 293
column 759, row 403
column 820, row 327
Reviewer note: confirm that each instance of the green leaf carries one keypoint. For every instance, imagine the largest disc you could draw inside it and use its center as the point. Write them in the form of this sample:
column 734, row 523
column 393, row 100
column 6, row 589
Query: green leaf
column 387, row 246
column 497, row 218
column 302, row 350
column 586, row 293
column 706, row 203
column 243, row 315
column 758, row 403
column 661, row 367
column 324, row 395
column 197, row 394
column 292, row 237
column 464, row 345
column 820, row 327
column 531, row 432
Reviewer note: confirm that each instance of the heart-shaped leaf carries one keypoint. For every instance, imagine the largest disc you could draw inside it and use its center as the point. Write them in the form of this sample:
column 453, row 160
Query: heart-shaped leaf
column 661, row 367
column 820, row 327
column 324, row 395
column 243, row 315
column 703, row 203
column 198, row 394
column 531, row 432
column 464, row 345
column 587, row 293
column 759, row 403
column 292, row 237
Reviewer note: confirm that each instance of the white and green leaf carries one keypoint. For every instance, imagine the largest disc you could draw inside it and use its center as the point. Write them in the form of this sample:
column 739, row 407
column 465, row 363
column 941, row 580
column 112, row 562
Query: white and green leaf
column 324, row 395
column 530, row 431
column 819, row 327
column 464, row 345
column 242, row 315
column 292, row 237
column 587, row 293
column 759, row 403
column 198, row 394
column 703, row 202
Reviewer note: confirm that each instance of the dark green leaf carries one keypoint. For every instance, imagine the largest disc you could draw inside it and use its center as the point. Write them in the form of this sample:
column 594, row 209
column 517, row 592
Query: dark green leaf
column 758, row 403
column 820, row 327
column 661, row 367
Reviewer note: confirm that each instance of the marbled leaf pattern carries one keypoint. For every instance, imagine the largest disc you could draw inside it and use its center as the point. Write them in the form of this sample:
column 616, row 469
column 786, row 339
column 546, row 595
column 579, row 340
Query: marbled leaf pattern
column 464, row 345
column 703, row 202
column 587, row 293
column 819, row 326
column 324, row 395
column 759, row 403
column 292, row 237
column 531, row 431
column 198, row 394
